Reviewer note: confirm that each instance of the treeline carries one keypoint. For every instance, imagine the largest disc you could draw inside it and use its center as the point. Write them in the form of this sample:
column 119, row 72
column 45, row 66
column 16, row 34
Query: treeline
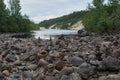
column 103, row 17
column 11, row 19
column 63, row 22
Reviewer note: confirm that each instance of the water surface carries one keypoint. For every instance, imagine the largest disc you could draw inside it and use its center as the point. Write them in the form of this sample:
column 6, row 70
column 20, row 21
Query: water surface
column 53, row 33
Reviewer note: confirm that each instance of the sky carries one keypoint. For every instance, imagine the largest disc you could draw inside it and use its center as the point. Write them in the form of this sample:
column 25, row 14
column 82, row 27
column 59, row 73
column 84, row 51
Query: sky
column 39, row 10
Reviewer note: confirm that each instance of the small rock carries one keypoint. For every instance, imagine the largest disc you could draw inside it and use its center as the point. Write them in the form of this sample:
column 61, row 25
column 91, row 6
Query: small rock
column 42, row 63
column 50, row 67
column 82, row 33
column 10, row 58
column 54, row 54
column 32, row 67
column 26, row 75
column 65, row 77
column 59, row 65
column 75, row 76
column 76, row 61
column 51, row 78
column 6, row 73
column 18, row 63
column 66, row 71
column 2, row 77
column 110, row 64
column 85, row 70
column 113, row 77
column 102, row 78
column 6, row 67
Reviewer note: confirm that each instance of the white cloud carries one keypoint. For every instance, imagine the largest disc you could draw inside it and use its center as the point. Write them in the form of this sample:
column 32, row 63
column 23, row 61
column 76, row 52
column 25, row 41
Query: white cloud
column 39, row 10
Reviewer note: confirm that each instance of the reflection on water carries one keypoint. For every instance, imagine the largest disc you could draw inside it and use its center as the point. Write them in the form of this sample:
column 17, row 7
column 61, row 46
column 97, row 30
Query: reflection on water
column 47, row 33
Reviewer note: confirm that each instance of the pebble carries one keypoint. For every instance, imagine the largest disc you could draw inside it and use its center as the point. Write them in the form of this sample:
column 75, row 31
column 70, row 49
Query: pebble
column 6, row 73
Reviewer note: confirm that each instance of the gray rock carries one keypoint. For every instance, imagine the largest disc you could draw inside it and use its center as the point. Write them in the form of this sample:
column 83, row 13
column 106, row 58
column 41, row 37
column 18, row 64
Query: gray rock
column 50, row 78
column 66, row 71
column 75, row 76
column 82, row 33
column 10, row 58
column 65, row 77
column 85, row 71
column 102, row 78
column 113, row 77
column 2, row 77
column 18, row 63
column 32, row 67
column 26, row 75
column 110, row 64
column 76, row 61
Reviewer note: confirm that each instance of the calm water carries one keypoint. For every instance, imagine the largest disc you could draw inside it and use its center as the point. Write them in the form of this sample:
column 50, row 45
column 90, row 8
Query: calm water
column 47, row 33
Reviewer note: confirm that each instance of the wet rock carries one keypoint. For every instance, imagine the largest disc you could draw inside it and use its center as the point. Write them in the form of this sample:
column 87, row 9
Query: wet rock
column 76, row 61
column 82, row 33
column 10, row 58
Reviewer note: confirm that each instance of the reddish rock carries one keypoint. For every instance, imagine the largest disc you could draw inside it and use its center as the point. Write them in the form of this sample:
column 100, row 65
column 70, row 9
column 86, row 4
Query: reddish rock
column 59, row 65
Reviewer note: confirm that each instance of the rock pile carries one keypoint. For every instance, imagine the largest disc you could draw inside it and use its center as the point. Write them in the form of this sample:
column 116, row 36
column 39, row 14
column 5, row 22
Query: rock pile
column 90, row 57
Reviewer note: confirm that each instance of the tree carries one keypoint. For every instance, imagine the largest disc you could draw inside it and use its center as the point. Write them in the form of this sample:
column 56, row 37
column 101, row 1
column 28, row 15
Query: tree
column 3, row 16
column 98, row 3
column 14, row 7
column 103, row 17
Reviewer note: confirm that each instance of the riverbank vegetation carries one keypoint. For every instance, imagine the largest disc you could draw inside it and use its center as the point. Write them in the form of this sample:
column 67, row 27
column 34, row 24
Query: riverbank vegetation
column 103, row 17
column 11, row 19
column 63, row 22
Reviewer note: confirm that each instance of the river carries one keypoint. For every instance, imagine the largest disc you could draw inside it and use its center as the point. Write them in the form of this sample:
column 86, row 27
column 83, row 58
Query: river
column 53, row 33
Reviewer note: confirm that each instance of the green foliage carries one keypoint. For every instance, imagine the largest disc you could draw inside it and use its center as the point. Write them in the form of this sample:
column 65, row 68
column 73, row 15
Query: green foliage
column 63, row 22
column 103, row 17
column 11, row 19
column 3, row 16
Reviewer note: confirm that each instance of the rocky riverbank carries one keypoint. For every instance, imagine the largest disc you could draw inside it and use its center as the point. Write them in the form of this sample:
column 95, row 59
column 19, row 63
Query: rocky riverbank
column 90, row 57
